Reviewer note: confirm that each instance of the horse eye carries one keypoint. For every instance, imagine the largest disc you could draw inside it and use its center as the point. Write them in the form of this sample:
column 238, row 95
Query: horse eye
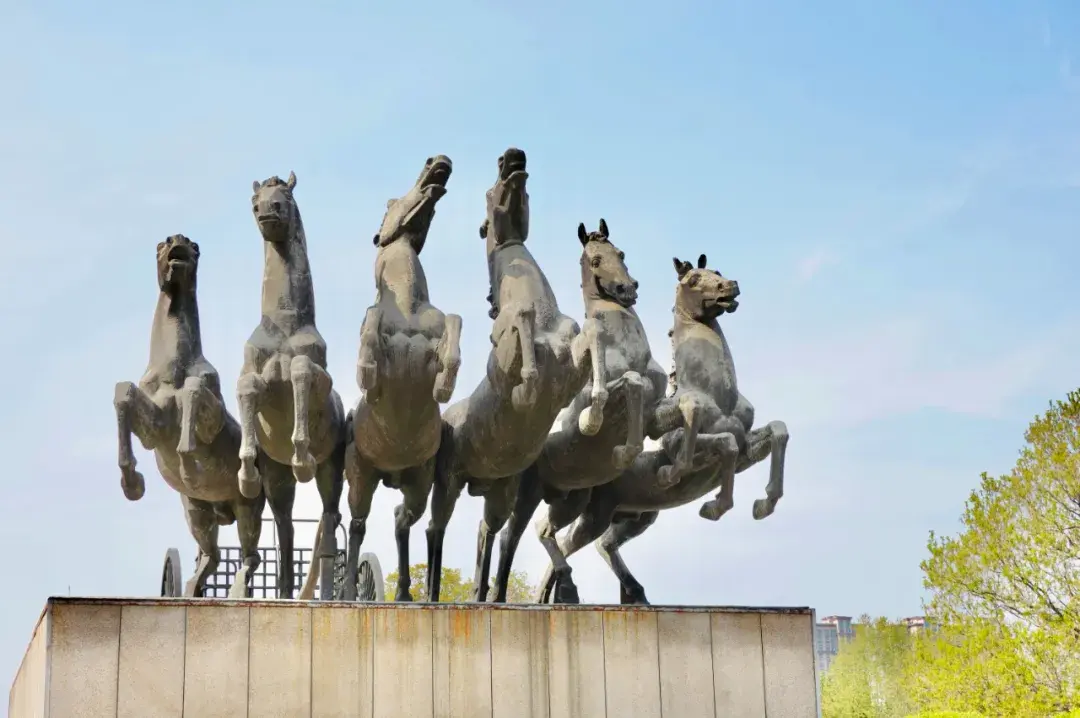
column 596, row 261
column 693, row 280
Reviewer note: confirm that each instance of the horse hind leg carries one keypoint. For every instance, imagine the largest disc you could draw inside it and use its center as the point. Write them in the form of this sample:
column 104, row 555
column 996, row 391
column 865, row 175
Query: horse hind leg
column 449, row 357
column 136, row 414
column 528, row 498
column 769, row 440
column 589, row 526
column 248, row 514
column 634, row 390
column 622, row 530
column 560, row 514
column 202, row 521
column 728, row 449
column 363, row 481
column 524, row 395
column 280, row 492
column 330, row 481
column 416, row 485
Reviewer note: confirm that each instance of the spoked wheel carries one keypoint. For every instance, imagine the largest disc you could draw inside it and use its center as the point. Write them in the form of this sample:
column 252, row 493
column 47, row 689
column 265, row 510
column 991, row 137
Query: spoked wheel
column 172, row 581
column 369, row 581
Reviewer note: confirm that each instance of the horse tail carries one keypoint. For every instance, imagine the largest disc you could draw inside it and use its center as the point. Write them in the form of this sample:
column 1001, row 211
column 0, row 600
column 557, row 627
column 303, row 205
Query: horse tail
column 307, row 593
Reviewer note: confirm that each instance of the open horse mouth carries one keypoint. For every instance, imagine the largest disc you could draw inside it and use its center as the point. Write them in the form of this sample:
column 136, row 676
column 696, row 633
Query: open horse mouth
column 439, row 172
column 181, row 254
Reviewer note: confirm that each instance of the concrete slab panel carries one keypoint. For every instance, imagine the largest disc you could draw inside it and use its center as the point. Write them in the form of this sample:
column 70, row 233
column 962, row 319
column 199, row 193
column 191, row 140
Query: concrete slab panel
column 151, row 680
column 686, row 669
column 279, row 656
column 84, row 647
column 576, row 660
column 27, row 696
column 632, row 663
column 403, row 661
column 519, row 664
column 738, row 676
column 788, row 645
column 462, row 663
column 216, row 660
column 342, row 662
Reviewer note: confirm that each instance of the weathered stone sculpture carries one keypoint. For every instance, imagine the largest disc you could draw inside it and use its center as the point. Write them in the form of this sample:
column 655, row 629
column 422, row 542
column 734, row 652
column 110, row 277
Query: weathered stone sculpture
column 408, row 363
column 707, row 438
column 288, row 406
column 575, row 458
column 536, row 365
column 177, row 412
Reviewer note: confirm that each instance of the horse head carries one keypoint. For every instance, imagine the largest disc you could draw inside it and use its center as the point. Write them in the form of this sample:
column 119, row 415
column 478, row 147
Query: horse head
column 603, row 270
column 507, row 202
column 177, row 264
column 275, row 208
column 703, row 294
column 411, row 215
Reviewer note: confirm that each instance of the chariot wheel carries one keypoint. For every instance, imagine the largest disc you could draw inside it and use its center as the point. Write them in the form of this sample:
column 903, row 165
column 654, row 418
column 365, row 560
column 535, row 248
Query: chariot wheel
column 369, row 580
column 172, row 581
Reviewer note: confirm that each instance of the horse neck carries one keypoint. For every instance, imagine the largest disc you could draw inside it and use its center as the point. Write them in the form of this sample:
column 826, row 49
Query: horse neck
column 175, row 336
column 287, row 294
column 517, row 253
column 686, row 329
column 399, row 277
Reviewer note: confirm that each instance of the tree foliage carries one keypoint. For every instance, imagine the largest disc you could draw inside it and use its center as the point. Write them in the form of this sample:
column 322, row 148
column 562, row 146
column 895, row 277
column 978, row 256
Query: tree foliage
column 453, row 588
column 1006, row 589
column 868, row 677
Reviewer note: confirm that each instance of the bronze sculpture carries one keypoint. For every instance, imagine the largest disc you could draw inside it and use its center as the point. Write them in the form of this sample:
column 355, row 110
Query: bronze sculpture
column 178, row 412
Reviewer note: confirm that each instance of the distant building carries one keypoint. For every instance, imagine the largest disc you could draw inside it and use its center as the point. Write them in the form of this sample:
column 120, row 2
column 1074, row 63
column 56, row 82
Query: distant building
column 830, row 631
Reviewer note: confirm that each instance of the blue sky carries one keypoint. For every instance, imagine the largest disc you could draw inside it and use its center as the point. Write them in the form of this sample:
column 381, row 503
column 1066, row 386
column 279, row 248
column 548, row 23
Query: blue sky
column 893, row 185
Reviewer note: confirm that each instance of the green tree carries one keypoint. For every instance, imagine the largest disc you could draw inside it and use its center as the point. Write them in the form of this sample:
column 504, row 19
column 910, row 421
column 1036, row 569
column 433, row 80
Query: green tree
column 868, row 679
column 453, row 588
column 1006, row 589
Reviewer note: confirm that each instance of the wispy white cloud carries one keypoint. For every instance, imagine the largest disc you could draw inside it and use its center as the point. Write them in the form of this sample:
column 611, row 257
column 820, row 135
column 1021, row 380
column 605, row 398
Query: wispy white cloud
column 809, row 266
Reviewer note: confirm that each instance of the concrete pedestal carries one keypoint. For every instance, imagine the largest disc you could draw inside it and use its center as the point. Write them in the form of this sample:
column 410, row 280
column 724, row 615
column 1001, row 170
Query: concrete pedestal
column 167, row 658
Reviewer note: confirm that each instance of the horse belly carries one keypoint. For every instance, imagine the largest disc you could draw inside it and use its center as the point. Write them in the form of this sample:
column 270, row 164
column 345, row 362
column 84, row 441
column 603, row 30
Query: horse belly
column 398, row 438
column 211, row 480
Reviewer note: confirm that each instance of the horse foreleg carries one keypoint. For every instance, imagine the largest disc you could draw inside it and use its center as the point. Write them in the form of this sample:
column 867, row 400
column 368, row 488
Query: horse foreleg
column 367, row 364
column 363, row 480
column 634, row 391
column 498, row 505
column 727, row 449
column 136, row 413
column 588, row 342
column 691, row 411
column 588, row 527
column 449, row 357
column 202, row 522
column 769, row 440
column 528, row 498
column 524, row 394
column 622, row 530
column 250, row 391
column 280, row 492
column 416, row 484
column 560, row 514
column 304, row 373
column 330, row 480
column 201, row 417
column 248, row 514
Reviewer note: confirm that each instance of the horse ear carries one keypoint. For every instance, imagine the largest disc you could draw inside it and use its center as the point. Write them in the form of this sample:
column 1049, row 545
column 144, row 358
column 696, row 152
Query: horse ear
column 582, row 235
column 376, row 240
column 701, row 262
column 484, row 230
column 291, row 182
column 603, row 228
column 255, row 186
column 681, row 267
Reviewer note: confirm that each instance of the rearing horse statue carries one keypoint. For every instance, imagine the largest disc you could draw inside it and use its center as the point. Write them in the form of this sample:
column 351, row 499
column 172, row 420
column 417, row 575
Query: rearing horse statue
column 574, row 461
column 288, row 406
column 409, row 358
column 706, row 438
column 536, row 366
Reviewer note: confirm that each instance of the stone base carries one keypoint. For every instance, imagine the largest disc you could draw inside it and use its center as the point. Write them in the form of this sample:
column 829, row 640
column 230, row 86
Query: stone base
column 165, row 658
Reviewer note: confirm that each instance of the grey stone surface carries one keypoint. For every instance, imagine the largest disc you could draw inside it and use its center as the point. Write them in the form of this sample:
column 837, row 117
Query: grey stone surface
column 602, row 431
column 177, row 411
column 538, row 362
column 409, row 358
column 705, row 433
column 288, row 407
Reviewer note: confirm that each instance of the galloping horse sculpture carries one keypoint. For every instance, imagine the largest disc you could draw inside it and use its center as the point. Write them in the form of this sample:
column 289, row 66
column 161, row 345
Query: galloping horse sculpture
column 177, row 412
column 409, row 358
column 536, row 366
column 288, row 406
column 573, row 460
column 707, row 438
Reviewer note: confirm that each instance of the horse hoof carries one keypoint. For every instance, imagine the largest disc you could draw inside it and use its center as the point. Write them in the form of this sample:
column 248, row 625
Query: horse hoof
column 248, row 478
column 667, row 477
column 590, row 421
column 566, row 592
column 239, row 589
column 368, row 371
column 713, row 510
column 403, row 596
column 303, row 467
column 763, row 508
column 623, row 456
column 133, row 484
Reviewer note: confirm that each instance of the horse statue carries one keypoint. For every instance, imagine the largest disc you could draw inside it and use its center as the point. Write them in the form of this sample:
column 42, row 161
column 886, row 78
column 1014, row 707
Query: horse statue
column 409, row 358
column 536, row 366
column 177, row 412
column 288, row 406
column 706, row 438
column 574, row 461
